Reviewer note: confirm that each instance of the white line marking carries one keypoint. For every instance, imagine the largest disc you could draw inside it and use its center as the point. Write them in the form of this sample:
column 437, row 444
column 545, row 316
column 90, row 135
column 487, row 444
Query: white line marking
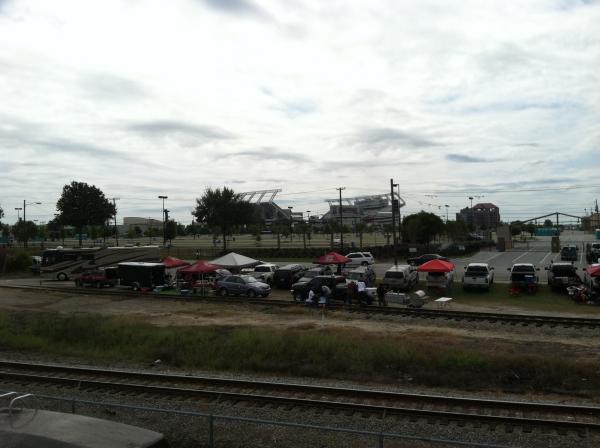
column 546, row 256
column 493, row 256
column 520, row 256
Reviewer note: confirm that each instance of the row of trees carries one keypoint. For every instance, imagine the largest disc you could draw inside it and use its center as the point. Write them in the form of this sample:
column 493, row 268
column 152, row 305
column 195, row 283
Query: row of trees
column 218, row 211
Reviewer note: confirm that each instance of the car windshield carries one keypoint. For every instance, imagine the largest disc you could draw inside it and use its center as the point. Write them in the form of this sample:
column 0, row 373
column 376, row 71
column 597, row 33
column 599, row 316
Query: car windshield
column 477, row 270
column 355, row 275
column 563, row 270
column 394, row 275
column 310, row 274
column 524, row 268
column 262, row 269
column 248, row 279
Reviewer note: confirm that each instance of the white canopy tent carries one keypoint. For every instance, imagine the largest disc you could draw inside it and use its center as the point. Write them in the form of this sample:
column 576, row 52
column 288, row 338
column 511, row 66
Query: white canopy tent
column 235, row 262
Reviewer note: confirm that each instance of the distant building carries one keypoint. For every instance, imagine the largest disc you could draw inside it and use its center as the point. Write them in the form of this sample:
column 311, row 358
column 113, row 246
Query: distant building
column 481, row 216
column 143, row 223
column 371, row 209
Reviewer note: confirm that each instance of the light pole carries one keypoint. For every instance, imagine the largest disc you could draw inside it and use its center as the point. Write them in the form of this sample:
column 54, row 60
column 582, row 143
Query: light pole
column 25, row 204
column 394, row 202
column 447, row 206
column 472, row 217
column 163, row 215
column 341, row 220
column 291, row 227
column 18, row 209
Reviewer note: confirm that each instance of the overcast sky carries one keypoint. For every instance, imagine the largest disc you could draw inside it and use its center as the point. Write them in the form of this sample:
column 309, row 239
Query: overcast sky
column 492, row 99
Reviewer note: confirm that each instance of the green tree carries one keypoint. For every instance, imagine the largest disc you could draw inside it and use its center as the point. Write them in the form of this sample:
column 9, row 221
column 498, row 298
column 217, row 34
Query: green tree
column 180, row 230
column 170, row 229
column 302, row 229
column 224, row 210
column 456, row 230
column 24, row 230
column 516, row 228
column 529, row 228
column 388, row 230
column 361, row 228
column 83, row 205
column 422, row 227
column 1, row 214
column 130, row 232
column 548, row 223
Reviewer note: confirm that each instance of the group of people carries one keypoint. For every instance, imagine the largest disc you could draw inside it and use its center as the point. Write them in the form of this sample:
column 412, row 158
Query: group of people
column 357, row 292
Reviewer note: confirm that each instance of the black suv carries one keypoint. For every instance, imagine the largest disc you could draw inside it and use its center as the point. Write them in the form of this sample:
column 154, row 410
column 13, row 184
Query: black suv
column 418, row 261
column 287, row 275
column 568, row 253
column 337, row 284
column 562, row 275
column 313, row 272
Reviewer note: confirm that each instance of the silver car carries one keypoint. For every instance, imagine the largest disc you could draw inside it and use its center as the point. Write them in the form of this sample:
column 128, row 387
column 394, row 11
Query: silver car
column 242, row 285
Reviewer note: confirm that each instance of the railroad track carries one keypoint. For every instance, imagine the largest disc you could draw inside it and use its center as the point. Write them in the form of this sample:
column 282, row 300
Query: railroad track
column 450, row 315
column 346, row 401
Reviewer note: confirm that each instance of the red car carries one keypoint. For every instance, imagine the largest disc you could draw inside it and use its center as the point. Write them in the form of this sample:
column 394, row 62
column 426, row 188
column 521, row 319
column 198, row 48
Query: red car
column 99, row 278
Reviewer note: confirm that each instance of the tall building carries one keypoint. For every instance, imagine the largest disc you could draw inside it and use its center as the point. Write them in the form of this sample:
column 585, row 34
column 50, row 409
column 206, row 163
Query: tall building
column 482, row 216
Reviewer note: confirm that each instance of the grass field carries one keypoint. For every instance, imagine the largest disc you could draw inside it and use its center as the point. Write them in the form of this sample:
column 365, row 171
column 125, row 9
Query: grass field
column 545, row 300
column 428, row 358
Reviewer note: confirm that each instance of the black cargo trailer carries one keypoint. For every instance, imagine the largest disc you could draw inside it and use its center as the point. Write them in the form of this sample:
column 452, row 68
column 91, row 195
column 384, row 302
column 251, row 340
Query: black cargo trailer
column 141, row 275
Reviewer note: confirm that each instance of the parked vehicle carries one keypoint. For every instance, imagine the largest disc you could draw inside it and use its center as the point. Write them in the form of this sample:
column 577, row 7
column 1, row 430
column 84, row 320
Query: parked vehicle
column 592, row 252
column 569, row 253
column 243, row 285
column 36, row 264
column 336, row 283
column 418, row 261
column 439, row 280
column 99, row 278
column 359, row 259
column 400, row 278
column 364, row 273
column 138, row 274
column 478, row 275
column 287, row 275
column 523, row 277
column 63, row 264
column 313, row 272
column 562, row 275
column 263, row 272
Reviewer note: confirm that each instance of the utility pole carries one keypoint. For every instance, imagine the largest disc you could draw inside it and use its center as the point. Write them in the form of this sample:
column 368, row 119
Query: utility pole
column 394, row 202
column 164, row 223
column 116, row 228
column 341, row 220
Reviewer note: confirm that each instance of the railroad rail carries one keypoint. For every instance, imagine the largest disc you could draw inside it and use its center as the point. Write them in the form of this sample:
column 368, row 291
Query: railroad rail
column 364, row 402
column 450, row 315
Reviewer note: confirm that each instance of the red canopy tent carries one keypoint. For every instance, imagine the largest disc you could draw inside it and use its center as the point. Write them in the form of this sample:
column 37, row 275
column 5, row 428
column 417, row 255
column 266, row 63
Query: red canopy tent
column 436, row 266
column 332, row 258
column 172, row 262
column 594, row 270
column 200, row 267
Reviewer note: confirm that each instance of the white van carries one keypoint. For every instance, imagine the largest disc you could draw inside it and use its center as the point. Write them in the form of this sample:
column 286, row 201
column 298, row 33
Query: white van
column 400, row 277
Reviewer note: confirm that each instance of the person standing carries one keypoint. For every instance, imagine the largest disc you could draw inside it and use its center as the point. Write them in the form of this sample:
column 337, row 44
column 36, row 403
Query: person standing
column 381, row 290
column 351, row 295
column 325, row 294
column 311, row 297
column 362, row 291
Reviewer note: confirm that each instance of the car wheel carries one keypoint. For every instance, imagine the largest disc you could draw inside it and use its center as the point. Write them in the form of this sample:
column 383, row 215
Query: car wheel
column 136, row 286
column 251, row 294
column 62, row 277
column 364, row 263
column 265, row 295
column 296, row 296
column 223, row 292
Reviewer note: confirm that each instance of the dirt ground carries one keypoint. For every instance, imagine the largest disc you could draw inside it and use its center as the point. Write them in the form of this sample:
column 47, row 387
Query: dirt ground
column 178, row 312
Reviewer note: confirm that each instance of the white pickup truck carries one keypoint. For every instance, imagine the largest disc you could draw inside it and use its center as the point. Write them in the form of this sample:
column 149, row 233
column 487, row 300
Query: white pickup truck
column 263, row 272
column 478, row 276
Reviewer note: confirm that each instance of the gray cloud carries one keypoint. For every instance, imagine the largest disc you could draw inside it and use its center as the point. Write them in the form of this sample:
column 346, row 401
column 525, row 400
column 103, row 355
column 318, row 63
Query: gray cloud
column 238, row 7
column 109, row 87
column 24, row 135
column 267, row 154
column 389, row 138
column 168, row 128
column 460, row 158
